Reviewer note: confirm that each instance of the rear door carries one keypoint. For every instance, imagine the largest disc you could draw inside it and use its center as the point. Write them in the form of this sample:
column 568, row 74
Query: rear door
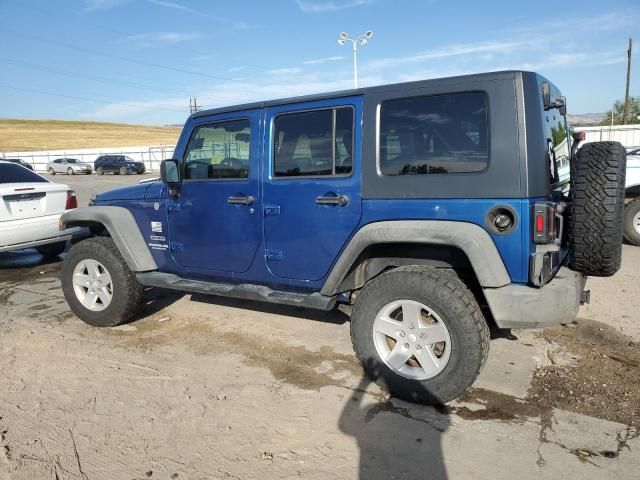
column 312, row 185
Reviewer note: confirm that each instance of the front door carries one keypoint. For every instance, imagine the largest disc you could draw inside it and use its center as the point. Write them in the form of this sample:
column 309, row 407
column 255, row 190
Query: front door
column 215, row 223
column 312, row 185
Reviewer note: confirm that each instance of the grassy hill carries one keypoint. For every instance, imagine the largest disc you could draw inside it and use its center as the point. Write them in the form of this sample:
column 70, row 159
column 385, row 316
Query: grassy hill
column 25, row 135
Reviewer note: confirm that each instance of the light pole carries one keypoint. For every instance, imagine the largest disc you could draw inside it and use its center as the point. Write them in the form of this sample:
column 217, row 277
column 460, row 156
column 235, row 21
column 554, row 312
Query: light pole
column 355, row 41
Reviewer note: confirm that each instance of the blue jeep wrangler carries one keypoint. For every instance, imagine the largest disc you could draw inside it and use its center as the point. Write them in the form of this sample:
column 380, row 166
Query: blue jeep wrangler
column 435, row 207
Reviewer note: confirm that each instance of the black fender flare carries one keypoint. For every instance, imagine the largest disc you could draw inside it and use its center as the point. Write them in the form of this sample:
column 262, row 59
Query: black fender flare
column 472, row 239
column 123, row 229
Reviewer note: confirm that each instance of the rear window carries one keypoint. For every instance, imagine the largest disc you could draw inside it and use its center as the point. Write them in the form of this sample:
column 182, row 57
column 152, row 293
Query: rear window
column 435, row 134
column 12, row 173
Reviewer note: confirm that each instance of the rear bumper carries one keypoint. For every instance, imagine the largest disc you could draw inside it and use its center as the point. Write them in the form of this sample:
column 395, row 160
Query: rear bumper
column 31, row 232
column 520, row 306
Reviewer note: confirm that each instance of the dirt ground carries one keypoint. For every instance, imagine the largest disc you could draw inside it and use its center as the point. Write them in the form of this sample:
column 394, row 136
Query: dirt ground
column 29, row 135
column 207, row 388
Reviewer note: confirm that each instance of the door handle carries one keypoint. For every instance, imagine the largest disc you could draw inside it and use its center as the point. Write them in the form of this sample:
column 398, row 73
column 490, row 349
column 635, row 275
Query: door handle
column 339, row 200
column 241, row 200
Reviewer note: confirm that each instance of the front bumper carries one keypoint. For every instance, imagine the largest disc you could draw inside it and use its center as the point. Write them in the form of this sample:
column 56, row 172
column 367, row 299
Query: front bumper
column 520, row 306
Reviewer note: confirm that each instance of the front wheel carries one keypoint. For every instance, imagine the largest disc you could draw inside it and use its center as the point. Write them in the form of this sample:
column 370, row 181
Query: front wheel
column 419, row 334
column 98, row 285
column 99, row 171
column 71, row 171
column 123, row 171
column 51, row 171
column 632, row 222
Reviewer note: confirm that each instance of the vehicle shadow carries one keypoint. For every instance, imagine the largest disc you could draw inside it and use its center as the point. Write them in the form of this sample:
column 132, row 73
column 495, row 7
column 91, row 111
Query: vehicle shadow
column 396, row 439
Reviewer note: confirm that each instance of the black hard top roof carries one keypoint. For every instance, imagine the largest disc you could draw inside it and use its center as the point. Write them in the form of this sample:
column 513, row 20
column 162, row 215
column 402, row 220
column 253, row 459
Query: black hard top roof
column 363, row 91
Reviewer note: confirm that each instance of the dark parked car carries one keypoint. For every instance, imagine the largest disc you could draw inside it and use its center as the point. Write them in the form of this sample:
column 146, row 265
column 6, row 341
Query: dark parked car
column 120, row 164
column 417, row 203
column 18, row 161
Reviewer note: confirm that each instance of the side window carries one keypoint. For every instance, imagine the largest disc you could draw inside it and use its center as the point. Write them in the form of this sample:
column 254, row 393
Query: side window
column 219, row 150
column 318, row 142
column 437, row 134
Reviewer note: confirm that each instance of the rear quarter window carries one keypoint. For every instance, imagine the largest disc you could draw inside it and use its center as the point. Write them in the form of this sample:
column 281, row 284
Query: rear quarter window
column 437, row 134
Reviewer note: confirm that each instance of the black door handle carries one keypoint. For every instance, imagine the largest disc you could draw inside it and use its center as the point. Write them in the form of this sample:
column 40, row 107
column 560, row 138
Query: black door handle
column 241, row 200
column 339, row 200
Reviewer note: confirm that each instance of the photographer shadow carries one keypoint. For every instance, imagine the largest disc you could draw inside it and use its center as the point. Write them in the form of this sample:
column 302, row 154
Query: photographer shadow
column 396, row 439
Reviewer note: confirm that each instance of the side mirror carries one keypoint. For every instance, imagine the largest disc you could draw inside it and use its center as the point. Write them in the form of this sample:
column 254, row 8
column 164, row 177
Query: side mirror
column 170, row 175
column 561, row 104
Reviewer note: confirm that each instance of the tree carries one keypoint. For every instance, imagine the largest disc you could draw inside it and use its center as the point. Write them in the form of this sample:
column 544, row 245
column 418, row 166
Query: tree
column 618, row 109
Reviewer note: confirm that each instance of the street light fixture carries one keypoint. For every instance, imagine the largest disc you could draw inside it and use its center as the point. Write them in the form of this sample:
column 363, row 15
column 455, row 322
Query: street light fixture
column 363, row 39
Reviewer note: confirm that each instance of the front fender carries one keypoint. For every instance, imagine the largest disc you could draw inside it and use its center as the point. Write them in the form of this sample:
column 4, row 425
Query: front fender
column 122, row 228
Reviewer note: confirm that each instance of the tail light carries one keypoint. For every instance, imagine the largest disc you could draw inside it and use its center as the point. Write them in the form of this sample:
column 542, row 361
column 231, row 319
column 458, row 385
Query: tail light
column 72, row 200
column 545, row 218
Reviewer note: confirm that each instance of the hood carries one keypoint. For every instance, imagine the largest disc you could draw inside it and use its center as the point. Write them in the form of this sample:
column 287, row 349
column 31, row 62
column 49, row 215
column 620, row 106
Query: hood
column 133, row 192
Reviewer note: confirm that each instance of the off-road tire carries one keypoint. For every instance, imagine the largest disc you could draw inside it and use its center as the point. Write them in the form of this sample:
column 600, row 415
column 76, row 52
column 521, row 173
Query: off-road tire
column 51, row 250
column 453, row 302
column 122, row 171
column 51, row 171
column 631, row 210
column 127, row 292
column 595, row 216
column 99, row 171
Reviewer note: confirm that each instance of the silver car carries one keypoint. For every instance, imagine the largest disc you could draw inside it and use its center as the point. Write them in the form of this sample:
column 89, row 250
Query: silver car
column 70, row 166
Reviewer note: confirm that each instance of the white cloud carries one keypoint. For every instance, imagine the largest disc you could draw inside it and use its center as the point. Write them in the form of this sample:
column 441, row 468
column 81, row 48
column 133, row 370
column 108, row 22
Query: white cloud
column 90, row 5
column 285, row 71
column 236, row 69
column 165, row 38
column 329, row 6
column 194, row 12
column 320, row 61
column 444, row 52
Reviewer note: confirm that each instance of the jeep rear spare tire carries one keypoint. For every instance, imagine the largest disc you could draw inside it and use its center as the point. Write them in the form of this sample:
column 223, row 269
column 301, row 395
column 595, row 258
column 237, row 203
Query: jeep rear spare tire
column 596, row 209
column 419, row 334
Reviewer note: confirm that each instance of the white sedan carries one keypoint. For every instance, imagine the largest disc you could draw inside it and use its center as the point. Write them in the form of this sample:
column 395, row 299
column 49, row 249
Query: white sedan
column 30, row 209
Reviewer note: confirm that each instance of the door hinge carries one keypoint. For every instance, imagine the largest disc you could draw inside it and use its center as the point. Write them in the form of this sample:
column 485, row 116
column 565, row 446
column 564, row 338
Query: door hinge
column 173, row 207
column 176, row 246
column 271, row 254
column 271, row 210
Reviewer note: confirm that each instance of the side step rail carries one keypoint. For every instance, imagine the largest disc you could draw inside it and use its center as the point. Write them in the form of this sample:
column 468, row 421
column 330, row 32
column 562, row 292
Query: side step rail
column 245, row 291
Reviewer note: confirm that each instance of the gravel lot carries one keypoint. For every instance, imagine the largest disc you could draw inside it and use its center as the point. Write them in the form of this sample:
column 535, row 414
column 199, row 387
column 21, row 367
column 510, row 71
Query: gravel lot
column 208, row 388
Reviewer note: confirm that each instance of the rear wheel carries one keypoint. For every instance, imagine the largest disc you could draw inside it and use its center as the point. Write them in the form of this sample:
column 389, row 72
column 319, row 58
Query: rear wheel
column 99, row 171
column 419, row 334
column 595, row 216
column 51, row 250
column 98, row 285
column 123, row 170
column 51, row 171
column 70, row 171
column 632, row 222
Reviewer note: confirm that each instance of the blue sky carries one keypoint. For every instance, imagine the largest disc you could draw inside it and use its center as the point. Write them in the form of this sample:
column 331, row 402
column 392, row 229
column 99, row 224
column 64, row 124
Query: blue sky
column 139, row 61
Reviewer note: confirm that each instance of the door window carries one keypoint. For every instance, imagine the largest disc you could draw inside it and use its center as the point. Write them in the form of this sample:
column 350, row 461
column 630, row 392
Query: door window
column 313, row 143
column 219, row 150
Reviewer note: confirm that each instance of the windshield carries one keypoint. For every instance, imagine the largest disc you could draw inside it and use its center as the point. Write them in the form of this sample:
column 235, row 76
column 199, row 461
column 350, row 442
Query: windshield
column 128, row 159
column 12, row 173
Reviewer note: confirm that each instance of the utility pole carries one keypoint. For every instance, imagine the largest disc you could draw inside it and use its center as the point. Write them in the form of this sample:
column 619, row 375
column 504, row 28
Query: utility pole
column 193, row 105
column 626, row 95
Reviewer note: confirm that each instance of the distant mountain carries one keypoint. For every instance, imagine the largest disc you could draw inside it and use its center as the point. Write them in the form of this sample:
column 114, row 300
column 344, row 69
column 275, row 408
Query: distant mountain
column 585, row 119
